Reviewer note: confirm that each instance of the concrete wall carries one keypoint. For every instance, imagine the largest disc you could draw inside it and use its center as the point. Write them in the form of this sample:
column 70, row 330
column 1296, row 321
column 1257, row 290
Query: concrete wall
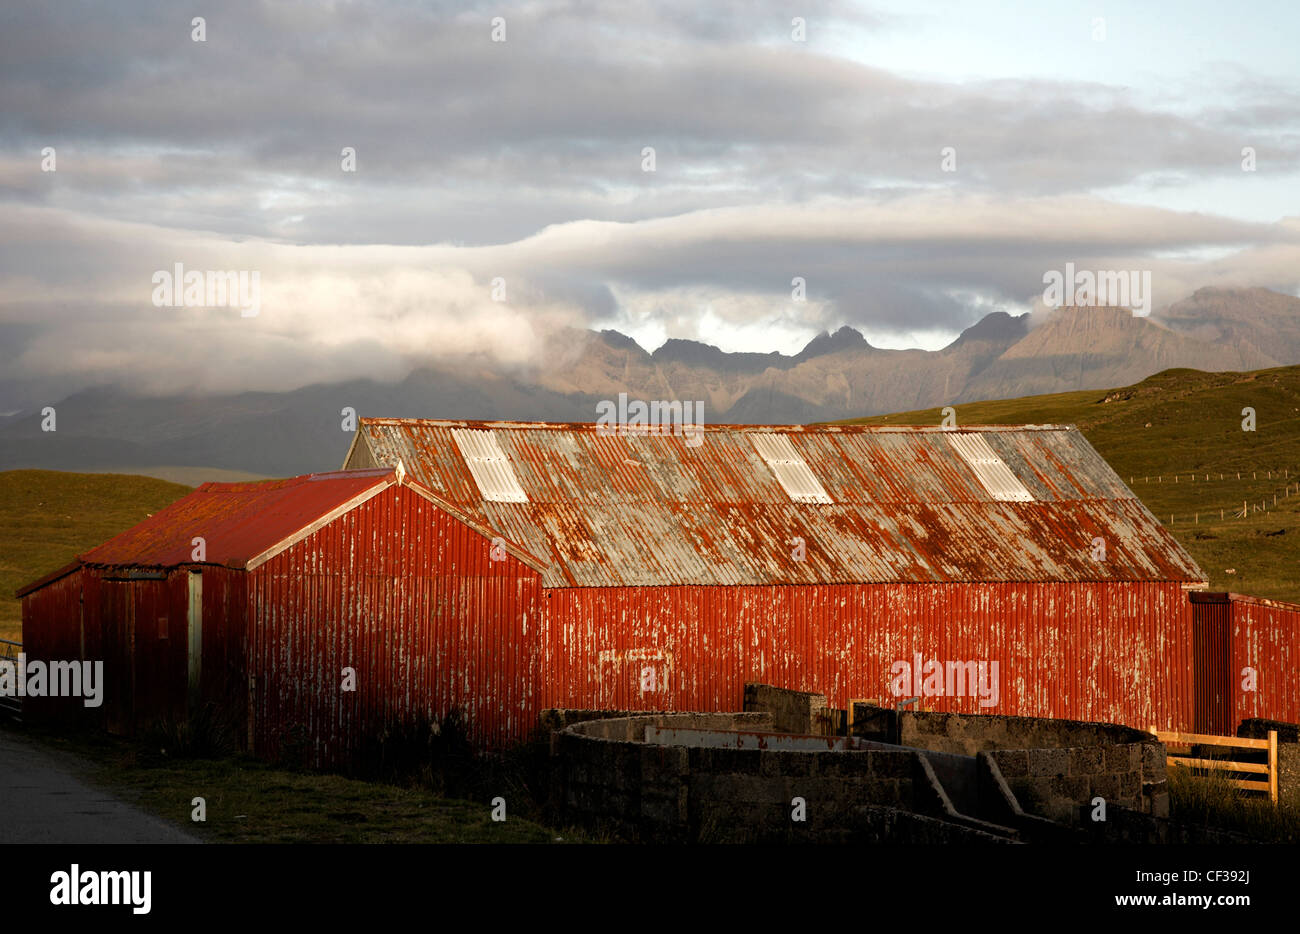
column 607, row 778
column 1051, row 782
column 632, row 728
column 1049, row 765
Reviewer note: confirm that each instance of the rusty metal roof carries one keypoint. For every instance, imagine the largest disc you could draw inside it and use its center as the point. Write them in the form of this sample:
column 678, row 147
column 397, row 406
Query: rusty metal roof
column 237, row 521
column 244, row 524
column 611, row 509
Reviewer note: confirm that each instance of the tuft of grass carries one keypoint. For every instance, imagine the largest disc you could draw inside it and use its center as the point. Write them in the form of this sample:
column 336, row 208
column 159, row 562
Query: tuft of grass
column 206, row 735
column 1209, row 800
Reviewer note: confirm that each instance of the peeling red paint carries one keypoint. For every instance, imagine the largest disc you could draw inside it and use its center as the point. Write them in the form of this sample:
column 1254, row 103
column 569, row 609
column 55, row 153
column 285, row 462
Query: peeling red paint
column 1112, row 652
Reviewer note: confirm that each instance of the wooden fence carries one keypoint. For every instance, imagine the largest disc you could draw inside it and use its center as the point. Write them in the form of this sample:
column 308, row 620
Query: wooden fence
column 1268, row 770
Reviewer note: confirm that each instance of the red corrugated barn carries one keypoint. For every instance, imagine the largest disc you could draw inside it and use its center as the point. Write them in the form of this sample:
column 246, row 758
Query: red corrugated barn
column 504, row 568
column 297, row 580
column 815, row 558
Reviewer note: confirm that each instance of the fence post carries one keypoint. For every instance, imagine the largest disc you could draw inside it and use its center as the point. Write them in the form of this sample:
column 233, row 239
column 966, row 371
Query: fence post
column 1272, row 766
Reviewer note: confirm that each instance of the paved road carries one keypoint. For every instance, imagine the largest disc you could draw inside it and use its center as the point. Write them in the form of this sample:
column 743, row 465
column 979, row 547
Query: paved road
column 41, row 802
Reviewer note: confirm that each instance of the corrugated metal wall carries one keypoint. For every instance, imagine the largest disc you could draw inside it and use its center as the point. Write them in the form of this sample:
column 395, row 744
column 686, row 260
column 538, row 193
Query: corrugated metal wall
column 52, row 629
column 139, row 630
column 1107, row 651
column 149, row 619
column 1215, row 703
column 224, row 671
column 409, row 598
column 1266, row 637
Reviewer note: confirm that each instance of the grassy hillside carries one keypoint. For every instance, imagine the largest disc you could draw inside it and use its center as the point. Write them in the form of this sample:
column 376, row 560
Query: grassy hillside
column 50, row 516
column 1186, row 424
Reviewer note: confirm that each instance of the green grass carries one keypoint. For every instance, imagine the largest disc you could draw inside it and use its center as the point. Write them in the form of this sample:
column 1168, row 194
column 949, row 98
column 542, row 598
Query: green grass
column 1180, row 423
column 1207, row 799
column 249, row 801
column 50, row 516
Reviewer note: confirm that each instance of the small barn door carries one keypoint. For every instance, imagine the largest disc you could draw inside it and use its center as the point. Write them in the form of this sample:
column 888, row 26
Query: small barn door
column 117, row 616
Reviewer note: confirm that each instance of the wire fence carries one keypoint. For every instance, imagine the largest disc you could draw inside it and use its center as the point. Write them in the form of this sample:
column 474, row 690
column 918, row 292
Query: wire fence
column 1220, row 512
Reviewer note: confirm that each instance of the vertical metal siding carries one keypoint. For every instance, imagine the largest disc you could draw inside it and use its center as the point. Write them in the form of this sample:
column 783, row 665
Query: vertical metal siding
column 93, row 615
column 1266, row 637
column 160, row 678
column 408, row 597
column 1212, row 649
column 52, row 628
column 1105, row 651
column 223, row 683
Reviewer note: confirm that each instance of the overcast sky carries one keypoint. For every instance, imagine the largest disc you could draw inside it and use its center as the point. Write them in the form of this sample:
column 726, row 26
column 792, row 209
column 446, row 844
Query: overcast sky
column 1113, row 145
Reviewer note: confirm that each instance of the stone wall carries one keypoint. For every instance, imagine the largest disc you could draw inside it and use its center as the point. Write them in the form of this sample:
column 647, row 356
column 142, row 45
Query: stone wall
column 1288, row 754
column 968, row 734
column 794, row 711
column 1051, row 782
column 632, row 727
column 607, row 780
column 1052, row 765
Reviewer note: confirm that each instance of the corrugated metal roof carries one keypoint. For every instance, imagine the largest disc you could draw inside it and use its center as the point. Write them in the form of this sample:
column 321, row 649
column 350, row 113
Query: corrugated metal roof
column 649, row 509
column 489, row 465
column 993, row 473
column 237, row 521
column 790, row 469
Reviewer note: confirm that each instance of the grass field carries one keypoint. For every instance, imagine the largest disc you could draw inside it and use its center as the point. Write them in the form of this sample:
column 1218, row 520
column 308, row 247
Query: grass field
column 49, row 517
column 1164, row 436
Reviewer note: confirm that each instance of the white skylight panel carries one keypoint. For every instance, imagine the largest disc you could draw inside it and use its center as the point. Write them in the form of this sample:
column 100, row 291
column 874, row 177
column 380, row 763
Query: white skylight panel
column 990, row 469
column 791, row 470
column 489, row 466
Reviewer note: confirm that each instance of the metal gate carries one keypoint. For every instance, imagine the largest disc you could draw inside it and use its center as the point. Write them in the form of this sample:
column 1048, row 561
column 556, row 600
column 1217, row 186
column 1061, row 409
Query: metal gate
column 11, row 707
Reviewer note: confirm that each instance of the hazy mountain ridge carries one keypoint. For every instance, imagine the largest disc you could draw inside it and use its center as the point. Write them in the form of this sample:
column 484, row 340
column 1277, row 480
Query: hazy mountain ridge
column 836, row 376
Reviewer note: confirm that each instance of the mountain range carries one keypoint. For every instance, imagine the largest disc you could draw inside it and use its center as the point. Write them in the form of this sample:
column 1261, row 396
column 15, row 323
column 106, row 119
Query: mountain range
column 835, row 376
